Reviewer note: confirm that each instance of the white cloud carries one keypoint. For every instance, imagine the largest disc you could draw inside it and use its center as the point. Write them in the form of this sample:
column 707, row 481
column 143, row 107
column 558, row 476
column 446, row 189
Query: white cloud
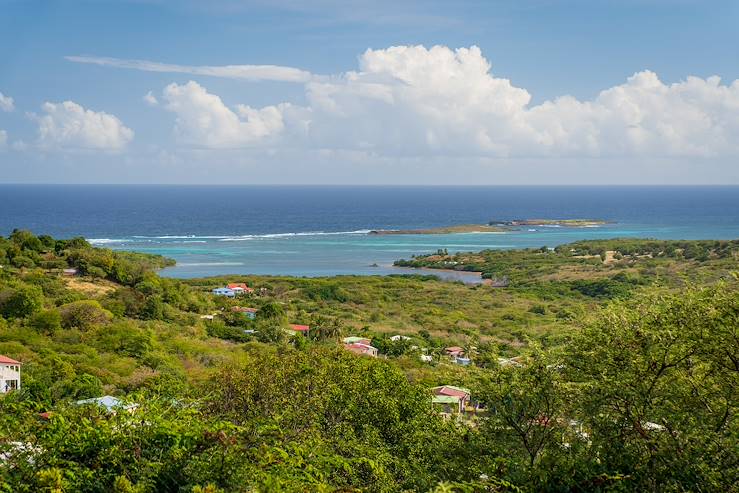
column 3, row 139
column 6, row 103
column 204, row 120
column 418, row 101
column 150, row 99
column 245, row 72
column 68, row 125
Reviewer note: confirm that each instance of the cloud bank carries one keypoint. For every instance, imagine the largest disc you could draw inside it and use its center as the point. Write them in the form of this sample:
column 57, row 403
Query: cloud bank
column 413, row 100
column 68, row 125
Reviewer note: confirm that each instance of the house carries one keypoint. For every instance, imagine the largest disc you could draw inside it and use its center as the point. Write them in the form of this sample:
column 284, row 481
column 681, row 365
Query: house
column 461, row 360
column 227, row 292
column 250, row 313
column 240, row 288
column 110, row 403
column 504, row 362
column 364, row 349
column 10, row 374
column 303, row 329
column 397, row 338
column 355, row 339
column 454, row 351
column 450, row 398
column 69, row 272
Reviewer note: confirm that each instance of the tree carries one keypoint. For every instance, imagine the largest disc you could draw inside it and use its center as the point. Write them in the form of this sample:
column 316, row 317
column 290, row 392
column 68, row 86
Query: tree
column 21, row 301
column 46, row 321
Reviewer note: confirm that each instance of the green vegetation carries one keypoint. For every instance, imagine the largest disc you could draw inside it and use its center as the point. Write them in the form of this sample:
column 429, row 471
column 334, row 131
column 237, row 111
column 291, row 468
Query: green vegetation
column 628, row 377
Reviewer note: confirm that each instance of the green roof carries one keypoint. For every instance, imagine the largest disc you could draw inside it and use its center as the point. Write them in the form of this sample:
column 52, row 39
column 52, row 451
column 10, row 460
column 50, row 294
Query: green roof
column 353, row 339
column 445, row 399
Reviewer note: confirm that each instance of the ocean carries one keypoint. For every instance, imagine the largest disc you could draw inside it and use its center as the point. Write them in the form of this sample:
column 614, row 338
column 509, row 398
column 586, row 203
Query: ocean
column 323, row 230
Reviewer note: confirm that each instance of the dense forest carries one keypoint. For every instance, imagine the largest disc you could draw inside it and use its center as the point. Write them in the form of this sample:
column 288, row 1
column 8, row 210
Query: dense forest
column 626, row 374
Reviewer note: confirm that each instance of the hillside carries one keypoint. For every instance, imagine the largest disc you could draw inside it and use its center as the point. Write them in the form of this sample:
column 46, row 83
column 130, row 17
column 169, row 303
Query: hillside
column 625, row 374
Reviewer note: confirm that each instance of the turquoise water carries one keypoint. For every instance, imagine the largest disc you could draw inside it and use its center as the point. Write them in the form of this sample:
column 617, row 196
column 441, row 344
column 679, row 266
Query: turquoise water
column 322, row 231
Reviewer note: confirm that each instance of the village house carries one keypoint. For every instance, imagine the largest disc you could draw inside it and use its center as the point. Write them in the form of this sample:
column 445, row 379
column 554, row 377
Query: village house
column 302, row 329
column 450, row 399
column 398, row 337
column 109, row 403
column 454, row 351
column 10, row 374
column 364, row 349
column 69, row 272
column 227, row 292
column 250, row 313
column 240, row 288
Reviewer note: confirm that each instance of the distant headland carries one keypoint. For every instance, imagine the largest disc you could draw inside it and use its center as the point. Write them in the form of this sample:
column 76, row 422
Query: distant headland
column 494, row 226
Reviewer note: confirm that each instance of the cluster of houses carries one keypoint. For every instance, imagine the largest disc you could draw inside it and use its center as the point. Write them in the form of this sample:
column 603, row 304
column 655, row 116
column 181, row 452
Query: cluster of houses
column 233, row 290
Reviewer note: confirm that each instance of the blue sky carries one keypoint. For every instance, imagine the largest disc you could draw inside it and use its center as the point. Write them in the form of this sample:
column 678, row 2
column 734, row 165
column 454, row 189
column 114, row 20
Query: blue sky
column 414, row 114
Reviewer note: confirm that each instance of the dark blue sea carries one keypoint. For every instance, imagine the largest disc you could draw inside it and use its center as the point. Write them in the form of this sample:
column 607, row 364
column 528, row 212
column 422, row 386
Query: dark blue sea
column 317, row 231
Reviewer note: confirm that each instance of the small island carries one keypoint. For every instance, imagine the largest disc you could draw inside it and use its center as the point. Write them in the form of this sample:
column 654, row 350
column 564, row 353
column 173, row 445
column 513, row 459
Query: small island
column 444, row 230
column 494, row 226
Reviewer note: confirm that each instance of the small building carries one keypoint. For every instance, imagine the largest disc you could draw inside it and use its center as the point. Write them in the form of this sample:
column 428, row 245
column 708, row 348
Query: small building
column 356, row 339
column 450, row 398
column 10, row 374
column 70, row 272
column 250, row 313
column 303, row 329
column 505, row 362
column 426, row 358
column 227, row 292
column 461, row 360
column 454, row 351
column 399, row 337
column 109, row 403
column 363, row 349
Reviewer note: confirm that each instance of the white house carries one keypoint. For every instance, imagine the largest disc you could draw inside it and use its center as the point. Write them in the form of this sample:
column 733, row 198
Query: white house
column 399, row 337
column 10, row 374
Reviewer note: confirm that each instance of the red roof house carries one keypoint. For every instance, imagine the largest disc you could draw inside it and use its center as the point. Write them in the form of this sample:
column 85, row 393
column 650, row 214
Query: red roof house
column 240, row 287
column 359, row 348
column 454, row 351
column 300, row 328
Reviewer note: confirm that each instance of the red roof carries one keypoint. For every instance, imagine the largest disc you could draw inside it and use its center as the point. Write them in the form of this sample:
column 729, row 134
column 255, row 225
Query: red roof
column 4, row 360
column 241, row 285
column 450, row 391
column 300, row 328
column 360, row 348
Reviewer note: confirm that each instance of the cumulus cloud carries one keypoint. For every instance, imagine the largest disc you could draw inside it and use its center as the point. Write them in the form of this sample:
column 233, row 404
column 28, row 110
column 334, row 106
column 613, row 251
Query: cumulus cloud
column 245, row 72
column 6, row 103
column 413, row 100
column 202, row 119
column 68, row 125
column 150, row 99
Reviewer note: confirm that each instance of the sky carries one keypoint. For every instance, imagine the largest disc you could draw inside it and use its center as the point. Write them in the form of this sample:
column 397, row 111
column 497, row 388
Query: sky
column 466, row 92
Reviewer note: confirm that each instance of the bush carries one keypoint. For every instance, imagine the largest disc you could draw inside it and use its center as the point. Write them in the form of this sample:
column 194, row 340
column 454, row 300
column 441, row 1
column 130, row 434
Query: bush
column 84, row 314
